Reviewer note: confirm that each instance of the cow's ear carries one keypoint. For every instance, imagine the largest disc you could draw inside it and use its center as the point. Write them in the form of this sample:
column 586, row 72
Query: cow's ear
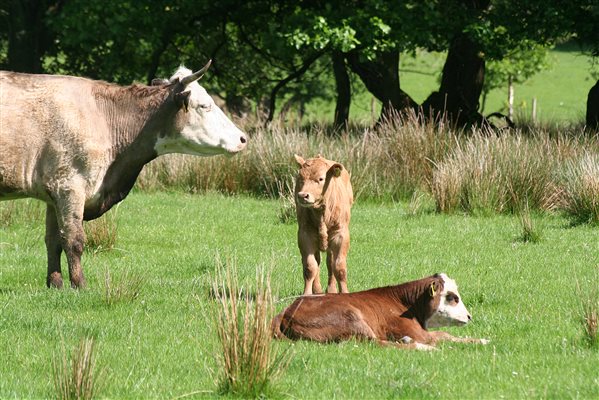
column 335, row 170
column 182, row 99
column 299, row 159
column 160, row 82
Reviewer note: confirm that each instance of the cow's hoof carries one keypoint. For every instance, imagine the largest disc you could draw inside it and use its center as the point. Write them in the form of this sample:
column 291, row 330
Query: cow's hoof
column 425, row 347
column 54, row 280
column 78, row 282
column 406, row 340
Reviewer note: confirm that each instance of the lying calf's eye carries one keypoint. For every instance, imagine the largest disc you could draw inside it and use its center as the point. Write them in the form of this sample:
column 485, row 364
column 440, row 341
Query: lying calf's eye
column 452, row 298
column 206, row 107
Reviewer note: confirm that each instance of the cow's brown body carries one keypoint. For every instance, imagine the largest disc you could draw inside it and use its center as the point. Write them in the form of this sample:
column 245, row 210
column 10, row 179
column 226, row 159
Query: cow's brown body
column 79, row 145
column 397, row 315
column 323, row 196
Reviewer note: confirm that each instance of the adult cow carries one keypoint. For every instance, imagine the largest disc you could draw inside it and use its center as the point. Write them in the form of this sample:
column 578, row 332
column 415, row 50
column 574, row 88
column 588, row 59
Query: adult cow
column 79, row 145
column 395, row 315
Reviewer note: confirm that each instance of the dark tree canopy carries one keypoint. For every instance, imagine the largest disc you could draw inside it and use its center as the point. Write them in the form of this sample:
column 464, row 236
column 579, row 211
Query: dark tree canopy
column 294, row 50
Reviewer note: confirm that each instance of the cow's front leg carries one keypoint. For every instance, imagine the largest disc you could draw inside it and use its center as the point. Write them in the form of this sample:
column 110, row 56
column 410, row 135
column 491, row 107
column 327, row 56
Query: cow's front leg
column 53, row 248
column 69, row 214
column 439, row 336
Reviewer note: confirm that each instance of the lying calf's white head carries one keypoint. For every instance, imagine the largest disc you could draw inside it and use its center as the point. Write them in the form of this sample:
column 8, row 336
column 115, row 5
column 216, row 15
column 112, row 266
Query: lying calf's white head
column 451, row 309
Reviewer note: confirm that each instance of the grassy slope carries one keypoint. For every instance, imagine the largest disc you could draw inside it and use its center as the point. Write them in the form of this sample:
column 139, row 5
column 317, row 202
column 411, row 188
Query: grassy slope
column 561, row 90
column 521, row 296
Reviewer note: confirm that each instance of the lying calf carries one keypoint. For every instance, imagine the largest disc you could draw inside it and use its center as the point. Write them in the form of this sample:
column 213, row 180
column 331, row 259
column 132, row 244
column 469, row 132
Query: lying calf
column 394, row 315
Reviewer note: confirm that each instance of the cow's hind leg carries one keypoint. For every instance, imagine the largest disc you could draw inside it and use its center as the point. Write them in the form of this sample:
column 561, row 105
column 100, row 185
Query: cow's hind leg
column 53, row 248
column 69, row 214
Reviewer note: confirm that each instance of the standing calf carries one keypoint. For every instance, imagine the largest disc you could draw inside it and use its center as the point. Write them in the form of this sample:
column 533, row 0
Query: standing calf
column 394, row 315
column 79, row 145
column 323, row 199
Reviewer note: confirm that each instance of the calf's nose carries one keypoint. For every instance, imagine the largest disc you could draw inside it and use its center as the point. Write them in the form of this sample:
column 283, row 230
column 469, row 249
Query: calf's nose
column 469, row 317
column 243, row 139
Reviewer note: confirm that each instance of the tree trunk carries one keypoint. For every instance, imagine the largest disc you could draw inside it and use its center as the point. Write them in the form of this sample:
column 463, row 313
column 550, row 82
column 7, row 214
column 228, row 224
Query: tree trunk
column 592, row 117
column 28, row 38
column 381, row 78
column 343, row 86
column 461, row 84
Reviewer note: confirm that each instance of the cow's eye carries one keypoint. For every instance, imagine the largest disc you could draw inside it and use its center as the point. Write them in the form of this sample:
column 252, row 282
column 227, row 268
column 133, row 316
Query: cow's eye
column 206, row 107
column 452, row 298
column 321, row 179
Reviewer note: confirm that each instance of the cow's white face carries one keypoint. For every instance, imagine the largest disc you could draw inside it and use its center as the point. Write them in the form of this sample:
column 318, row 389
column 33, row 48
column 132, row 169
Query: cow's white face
column 451, row 310
column 203, row 128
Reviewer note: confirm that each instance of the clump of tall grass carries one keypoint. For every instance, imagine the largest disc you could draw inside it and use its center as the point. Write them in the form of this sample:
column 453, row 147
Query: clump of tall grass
column 474, row 171
column 580, row 179
column 490, row 173
column 126, row 287
column 249, row 362
column 390, row 161
column 287, row 208
column 589, row 295
column 531, row 232
column 101, row 234
column 25, row 211
column 79, row 377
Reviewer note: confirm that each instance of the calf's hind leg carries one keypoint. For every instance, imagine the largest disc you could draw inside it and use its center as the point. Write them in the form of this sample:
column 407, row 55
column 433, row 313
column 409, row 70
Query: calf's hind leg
column 337, row 263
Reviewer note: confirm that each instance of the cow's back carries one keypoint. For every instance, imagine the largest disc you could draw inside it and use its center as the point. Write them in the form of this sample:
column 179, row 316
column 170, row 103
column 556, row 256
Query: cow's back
column 50, row 129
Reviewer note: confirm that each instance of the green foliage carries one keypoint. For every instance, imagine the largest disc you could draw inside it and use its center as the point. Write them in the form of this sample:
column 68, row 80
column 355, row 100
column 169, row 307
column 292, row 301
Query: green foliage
column 518, row 65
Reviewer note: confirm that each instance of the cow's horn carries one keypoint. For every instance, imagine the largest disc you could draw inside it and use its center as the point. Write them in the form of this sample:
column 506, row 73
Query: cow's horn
column 196, row 75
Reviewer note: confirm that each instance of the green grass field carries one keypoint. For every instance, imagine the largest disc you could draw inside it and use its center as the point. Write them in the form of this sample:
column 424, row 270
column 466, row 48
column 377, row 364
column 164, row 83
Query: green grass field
column 526, row 298
column 561, row 90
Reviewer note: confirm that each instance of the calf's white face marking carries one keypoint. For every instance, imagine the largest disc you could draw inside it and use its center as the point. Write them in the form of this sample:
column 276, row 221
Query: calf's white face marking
column 205, row 130
column 451, row 310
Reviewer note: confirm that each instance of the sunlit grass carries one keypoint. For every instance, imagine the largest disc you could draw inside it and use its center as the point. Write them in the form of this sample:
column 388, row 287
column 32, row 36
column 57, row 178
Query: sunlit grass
column 162, row 345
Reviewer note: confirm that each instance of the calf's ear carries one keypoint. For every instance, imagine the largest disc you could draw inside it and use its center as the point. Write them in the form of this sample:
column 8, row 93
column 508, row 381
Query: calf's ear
column 335, row 170
column 299, row 159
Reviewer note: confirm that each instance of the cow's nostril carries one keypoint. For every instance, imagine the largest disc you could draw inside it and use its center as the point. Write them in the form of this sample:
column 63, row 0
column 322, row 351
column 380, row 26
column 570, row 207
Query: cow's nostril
column 469, row 317
column 243, row 139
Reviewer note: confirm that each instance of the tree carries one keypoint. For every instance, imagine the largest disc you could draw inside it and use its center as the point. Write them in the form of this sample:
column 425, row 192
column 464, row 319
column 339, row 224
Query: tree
column 517, row 66
column 26, row 33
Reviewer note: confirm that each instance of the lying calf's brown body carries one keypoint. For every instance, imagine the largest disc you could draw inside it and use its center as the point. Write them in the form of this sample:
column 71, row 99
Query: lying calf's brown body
column 397, row 315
